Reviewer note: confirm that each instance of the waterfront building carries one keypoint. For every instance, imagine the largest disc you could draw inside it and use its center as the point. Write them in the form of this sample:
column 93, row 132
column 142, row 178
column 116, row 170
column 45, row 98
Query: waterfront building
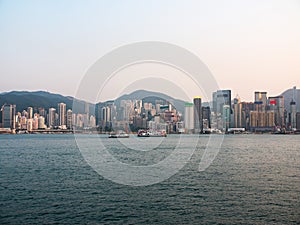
column 189, row 117
column 298, row 120
column 262, row 121
column 292, row 116
column 29, row 112
column 206, row 117
column 52, row 118
column 62, row 115
column 41, row 122
column 221, row 98
column 42, row 112
column 35, row 123
column 29, row 125
column 198, row 124
column 179, row 127
column 105, row 121
column 8, row 116
column 69, row 119
column 79, row 121
column 237, row 113
column 92, row 121
column 226, row 117
column 260, row 100
column 74, row 119
column 276, row 104
column 23, row 123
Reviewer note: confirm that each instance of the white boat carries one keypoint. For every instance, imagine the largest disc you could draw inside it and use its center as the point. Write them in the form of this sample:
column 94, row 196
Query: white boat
column 118, row 135
column 152, row 133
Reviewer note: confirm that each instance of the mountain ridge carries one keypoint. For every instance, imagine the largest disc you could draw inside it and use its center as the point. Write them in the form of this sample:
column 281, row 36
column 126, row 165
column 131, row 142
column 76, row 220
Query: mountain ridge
column 45, row 99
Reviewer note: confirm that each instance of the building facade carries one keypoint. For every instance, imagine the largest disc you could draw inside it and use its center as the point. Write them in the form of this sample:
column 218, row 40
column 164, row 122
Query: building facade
column 189, row 117
column 198, row 124
column 8, row 116
column 62, row 114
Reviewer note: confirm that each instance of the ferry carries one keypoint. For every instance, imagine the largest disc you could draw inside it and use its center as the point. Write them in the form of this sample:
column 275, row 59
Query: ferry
column 118, row 135
column 152, row 133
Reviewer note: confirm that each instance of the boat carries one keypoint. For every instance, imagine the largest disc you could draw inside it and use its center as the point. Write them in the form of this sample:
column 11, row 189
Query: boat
column 118, row 135
column 152, row 133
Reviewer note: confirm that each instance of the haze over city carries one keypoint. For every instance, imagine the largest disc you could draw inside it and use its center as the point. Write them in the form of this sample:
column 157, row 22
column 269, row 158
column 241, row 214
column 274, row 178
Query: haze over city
column 247, row 46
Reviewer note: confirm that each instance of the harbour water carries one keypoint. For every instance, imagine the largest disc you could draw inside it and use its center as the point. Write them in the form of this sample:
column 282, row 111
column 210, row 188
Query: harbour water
column 255, row 179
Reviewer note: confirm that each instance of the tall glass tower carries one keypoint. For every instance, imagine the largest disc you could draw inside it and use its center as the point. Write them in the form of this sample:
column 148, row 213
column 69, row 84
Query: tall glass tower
column 8, row 116
column 198, row 125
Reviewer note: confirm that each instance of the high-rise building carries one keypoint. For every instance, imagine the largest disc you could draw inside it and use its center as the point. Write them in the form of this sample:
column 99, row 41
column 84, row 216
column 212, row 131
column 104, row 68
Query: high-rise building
column 86, row 108
column 51, row 117
column 198, row 123
column 92, row 121
column 42, row 112
column 69, row 119
column 260, row 100
column 29, row 124
column 41, row 122
column 206, row 117
column 226, row 117
column 127, row 107
column 220, row 98
column 298, row 120
column 237, row 113
column 260, row 97
column 106, row 121
column 189, row 117
column 293, row 114
column 138, row 106
column 262, row 121
column 30, row 113
column 8, row 116
column 62, row 114
column 35, row 122
column 276, row 104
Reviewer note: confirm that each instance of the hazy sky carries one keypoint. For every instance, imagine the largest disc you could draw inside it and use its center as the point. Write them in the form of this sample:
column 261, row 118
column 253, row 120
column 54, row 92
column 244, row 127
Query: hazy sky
column 247, row 45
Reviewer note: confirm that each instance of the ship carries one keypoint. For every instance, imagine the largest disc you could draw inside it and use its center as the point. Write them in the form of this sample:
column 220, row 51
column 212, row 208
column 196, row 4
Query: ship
column 120, row 134
column 152, row 133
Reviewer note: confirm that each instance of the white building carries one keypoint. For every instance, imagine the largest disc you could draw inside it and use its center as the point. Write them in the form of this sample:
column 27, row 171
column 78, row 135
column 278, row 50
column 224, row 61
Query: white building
column 189, row 116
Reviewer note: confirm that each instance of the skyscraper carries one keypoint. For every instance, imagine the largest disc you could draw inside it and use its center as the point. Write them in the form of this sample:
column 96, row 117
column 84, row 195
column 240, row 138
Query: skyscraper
column 276, row 104
column 51, row 117
column 226, row 117
column 198, row 124
column 30, row 113
column 8, row 116
column 189, row 117
column 41, row 122
column 293, row 114
column 62, row 115
column 260, row 100
column 69, row 119
column 237, row 113
column 106, row 117
column 298, row 120
column 206, row 117
column 260, row 96
column 220, row 98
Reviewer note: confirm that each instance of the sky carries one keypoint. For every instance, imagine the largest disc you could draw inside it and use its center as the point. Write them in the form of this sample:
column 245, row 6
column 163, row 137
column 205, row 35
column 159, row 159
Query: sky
column 247, row 45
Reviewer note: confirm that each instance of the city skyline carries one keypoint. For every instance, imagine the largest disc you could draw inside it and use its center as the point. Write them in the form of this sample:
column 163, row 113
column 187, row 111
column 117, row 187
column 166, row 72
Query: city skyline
column 225, row 114
column 244, row 44
column 252, row 98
